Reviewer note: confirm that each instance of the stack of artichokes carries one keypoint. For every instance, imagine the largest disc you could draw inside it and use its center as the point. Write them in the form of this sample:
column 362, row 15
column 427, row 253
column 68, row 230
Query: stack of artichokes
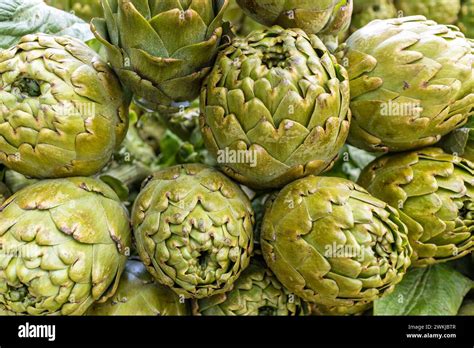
column 232, row 200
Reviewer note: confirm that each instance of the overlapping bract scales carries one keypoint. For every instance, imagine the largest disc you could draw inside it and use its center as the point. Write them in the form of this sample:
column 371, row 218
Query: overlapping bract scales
column 330, row 242
column 411, row 82
column 256, row 292
column 280, row 96
column 434, row 192
column 193, row 228
column 64, row 245
column 161, row 50
column 63, row 112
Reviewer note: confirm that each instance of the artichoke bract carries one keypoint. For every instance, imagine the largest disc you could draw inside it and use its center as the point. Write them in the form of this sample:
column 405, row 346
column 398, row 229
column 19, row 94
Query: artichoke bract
column 138, row 294
column 161, row 50
column 411, row 82
column 330, row 242
column 441, row 11
column 256, row 292
column 275, row 108
column 435, row 196
column 193, row 229
column 62, row 110
column 327, row 18
column 64, row 244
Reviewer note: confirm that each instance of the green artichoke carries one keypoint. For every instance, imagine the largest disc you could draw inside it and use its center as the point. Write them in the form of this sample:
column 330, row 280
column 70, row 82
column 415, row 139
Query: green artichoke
column 161, row 50
column 440, row 11
column 137, row 294
column 329, row 242
column 84, row 9
column 411, row 82
column 434, row 193
column 327, row 18
column 275, row 108
column 64, row 245
column 193, row 229
column 466, row 18
column 62, row 111
column 365, row 11
column 460, row 141
column 256, row 292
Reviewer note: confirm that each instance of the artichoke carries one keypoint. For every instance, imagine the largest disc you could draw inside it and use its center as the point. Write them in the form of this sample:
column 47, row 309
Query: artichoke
column 161, row 50
column 330, row 242
column 365, row 11
column 411, row 82
column 327, row 18
column 64, row 246
column 275, row 108
column 193, row 229
column 441, row 11
column 466, row 18
column 85, row 9
column 62, row 111
column 137, row 294
column 256, row 292
column 434, row 193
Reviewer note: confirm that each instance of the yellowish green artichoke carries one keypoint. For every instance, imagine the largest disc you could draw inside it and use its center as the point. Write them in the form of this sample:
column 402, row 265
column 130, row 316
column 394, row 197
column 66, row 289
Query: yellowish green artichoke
column 193, row 229
column 440, row 11
column 138, row 294
column 330, row 242
column 64, row 244
column 411, row 82
column 275, row 108
column 434, row 194
column 62, row 109
column 161, row 50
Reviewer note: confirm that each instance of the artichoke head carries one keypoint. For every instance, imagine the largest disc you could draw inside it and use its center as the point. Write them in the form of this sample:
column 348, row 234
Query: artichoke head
column 161, row 50
column 440, row 11
column 327, row 18
column 275, row 108
column 256, row 292
column 330, row 242
column 193, row 229
column 64, row 245
column 411, row 82
column 138, row 294
column 434, row 193
column 62, row 110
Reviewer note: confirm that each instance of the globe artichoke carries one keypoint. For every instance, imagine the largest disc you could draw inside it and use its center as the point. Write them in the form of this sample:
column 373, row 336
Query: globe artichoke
column 256, row 292
column 466, row 18
column 327, row 18
column 275, row 108
column 411, row 82
column 161, row 50
column 434, row 193
column 193, row 229
column 137, row 294
column 64, row 245
column 62, row 111
column 357, row 309
column 85, row 9
column 330, row 242
column 441, row 11
column 365, row 11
